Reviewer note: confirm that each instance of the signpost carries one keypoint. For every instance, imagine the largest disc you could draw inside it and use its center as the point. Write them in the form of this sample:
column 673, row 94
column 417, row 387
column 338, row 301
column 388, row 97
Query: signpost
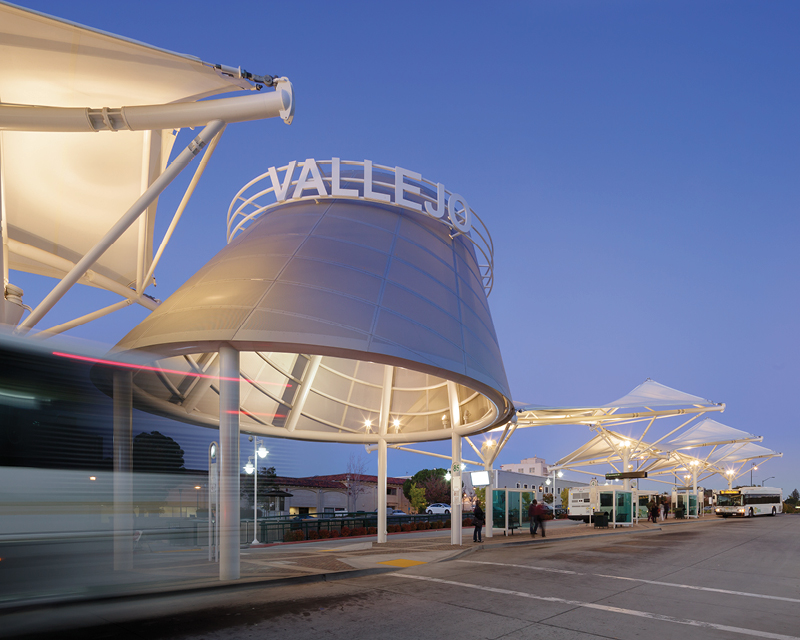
column 626, row 476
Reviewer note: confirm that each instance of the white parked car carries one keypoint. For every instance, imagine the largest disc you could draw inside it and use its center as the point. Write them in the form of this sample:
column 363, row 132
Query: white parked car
column 438, row 507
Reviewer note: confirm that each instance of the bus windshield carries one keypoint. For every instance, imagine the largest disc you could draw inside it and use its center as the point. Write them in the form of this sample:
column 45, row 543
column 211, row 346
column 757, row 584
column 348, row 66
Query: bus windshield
column 724, row 500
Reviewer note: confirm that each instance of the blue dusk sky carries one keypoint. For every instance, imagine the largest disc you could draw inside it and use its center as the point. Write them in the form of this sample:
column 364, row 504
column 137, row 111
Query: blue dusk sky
column 636, row 163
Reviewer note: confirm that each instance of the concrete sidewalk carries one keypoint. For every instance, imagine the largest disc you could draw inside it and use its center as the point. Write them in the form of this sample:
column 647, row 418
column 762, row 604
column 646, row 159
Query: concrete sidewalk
column 175, row 571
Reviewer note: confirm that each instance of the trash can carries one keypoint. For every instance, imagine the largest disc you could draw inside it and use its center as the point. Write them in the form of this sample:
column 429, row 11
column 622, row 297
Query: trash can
column 600, row 519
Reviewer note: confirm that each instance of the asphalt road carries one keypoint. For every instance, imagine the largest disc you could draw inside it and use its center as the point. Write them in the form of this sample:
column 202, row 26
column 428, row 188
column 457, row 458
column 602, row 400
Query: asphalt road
column 731, row 579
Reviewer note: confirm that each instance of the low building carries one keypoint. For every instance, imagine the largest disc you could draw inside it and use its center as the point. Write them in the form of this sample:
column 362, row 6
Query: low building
column 339, row 492
column 532, row 466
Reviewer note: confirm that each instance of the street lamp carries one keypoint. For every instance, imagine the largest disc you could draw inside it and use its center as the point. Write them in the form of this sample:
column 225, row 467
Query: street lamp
column 753, row 467
column 259, row 451
column 763, row 481
column 196, row 500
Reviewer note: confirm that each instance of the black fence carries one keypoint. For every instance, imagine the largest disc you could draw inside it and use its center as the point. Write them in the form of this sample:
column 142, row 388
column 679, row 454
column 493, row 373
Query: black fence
column 193, row 532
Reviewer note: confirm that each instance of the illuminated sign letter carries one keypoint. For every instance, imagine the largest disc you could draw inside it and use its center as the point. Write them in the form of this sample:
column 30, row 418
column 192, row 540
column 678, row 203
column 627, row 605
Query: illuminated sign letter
column 438, row 212
column 369, row 194
column 336, row 179
column 316, row 181
column 452, row 210
column 400, row 186
column 279, row 189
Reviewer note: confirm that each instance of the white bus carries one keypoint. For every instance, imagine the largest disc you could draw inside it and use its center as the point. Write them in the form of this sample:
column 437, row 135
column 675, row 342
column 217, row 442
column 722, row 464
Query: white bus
column 746, row 502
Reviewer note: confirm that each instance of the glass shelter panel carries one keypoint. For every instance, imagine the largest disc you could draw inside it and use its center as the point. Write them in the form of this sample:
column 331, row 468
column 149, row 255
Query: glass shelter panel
column 499, row 509
column 624, row 507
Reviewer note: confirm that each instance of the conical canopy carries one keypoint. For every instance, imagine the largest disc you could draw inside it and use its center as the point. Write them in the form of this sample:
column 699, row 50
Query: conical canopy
column 351, row 317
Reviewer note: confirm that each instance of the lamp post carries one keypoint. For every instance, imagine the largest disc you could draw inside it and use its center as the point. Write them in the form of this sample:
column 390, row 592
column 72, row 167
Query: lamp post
column 196, row 500
column 763, row 481
column 259, row 451
column 730, row 473
column 753, row 467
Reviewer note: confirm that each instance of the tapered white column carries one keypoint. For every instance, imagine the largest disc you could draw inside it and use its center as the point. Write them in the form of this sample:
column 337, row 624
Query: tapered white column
column 229, row 463
column 626, row 456
column 455, row 492
column 487, row 508
column 381, row 490
column 123, row 470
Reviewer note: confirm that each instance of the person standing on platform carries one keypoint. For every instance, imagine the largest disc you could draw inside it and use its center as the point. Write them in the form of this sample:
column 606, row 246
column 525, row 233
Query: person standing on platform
column 539, row 514
column 478, row 519
column 532, row 517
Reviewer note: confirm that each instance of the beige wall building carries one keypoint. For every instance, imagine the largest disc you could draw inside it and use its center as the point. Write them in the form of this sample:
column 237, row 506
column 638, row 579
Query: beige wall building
column 532, row 466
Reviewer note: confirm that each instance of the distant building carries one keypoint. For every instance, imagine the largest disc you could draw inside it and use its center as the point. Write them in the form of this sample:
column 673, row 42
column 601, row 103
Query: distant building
column 340, row 492
column 532, row 466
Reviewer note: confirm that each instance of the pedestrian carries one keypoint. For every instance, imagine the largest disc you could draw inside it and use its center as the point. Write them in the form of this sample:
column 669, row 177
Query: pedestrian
column 478, row 518
column 661, row 511
column 539, row 513
column 532, row 517
column 654, row 513
column 650, row 508
column 666, row 508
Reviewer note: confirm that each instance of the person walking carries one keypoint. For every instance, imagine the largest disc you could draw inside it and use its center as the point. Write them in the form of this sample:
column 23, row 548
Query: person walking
column 478, row 520
column 539, row 513
column 532, row 517
column 666, row 508
column 650, row 508
column 654, row 513
column 661, row 511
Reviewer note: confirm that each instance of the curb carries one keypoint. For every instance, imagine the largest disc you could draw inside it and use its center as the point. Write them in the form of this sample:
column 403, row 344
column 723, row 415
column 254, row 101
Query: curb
column 203, row 588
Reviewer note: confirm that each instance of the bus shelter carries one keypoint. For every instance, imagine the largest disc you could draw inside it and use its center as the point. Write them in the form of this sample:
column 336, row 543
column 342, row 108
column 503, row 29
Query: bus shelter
column 617, row 503
column 689, row 501
column 510, row 508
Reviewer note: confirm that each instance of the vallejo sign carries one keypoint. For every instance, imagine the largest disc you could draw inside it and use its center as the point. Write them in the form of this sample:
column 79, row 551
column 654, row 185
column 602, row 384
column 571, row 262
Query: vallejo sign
column 314, row 182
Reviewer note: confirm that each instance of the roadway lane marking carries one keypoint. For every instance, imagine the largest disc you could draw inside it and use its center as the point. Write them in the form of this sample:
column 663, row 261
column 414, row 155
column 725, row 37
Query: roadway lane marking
column 602, row 607
column 657, row 582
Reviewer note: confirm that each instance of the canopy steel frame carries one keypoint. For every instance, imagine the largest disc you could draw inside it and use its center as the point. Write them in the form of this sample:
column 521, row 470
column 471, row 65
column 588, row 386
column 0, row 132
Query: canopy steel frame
column 214, row 115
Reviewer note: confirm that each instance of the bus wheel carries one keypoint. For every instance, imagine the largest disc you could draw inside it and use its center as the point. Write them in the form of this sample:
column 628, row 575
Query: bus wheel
column 773, row 511
column 750, row 514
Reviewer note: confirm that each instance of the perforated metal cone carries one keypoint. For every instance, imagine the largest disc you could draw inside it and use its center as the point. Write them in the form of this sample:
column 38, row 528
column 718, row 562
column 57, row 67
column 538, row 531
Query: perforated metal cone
column 339, row 308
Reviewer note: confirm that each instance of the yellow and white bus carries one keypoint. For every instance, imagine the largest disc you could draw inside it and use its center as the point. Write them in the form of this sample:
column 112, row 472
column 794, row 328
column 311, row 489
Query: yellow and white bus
column 746, row 502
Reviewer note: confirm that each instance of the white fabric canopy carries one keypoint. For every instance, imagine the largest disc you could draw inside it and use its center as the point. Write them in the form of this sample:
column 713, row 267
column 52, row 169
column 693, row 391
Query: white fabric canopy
column 653, row 394
column 735, row 453
column 63, row 191
column 709, row 432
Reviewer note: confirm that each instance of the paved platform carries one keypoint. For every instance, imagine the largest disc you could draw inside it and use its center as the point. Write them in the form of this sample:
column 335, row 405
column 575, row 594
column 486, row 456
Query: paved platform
column 169, row 570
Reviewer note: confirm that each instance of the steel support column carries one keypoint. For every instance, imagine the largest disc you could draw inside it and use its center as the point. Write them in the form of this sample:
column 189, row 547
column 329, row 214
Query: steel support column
column 487, row 508
column 382, row 450
column 229, row 463
column 455, row 492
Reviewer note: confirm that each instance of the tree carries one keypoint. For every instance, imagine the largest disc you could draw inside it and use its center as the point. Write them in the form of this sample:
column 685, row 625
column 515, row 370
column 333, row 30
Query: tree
column 565, row 497
column 417, row 498
column 156, row 453
column 548, row 498
column 437, row 489
column 356, row 470
column 794, row 497
column 419, row 478
column 266, row 481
